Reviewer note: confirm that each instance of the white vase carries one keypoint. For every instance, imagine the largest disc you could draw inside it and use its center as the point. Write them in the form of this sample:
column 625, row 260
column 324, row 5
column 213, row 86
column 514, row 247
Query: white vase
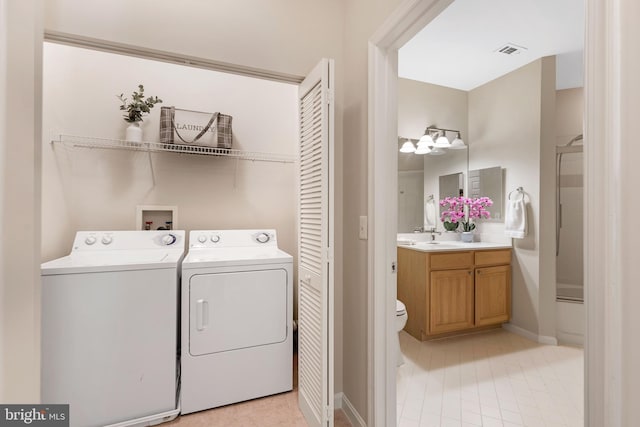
column 134, row 132
column 467, row 236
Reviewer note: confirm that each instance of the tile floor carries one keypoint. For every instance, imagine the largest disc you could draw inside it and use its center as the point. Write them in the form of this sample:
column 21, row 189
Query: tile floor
column 488, row 379
column 280, row 410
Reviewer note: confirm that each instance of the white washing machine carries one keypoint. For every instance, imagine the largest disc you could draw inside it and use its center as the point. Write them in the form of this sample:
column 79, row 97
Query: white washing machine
column 236, row 333
column 109, row 327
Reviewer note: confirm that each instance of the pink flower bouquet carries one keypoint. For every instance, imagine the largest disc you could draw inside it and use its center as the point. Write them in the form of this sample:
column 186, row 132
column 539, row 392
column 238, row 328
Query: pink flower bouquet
column 462, row 210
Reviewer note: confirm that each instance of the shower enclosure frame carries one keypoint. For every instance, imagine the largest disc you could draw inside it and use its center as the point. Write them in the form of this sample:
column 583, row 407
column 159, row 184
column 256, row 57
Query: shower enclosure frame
column 561, row 150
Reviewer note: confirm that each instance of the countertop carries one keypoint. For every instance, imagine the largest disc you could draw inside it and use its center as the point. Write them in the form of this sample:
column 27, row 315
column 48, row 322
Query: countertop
column 449, row 246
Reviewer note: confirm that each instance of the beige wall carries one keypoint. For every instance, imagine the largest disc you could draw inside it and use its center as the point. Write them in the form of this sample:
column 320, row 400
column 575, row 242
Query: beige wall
column 421, row 105
column 626, row 269
column 20, row 134
column 505, row 121
column 547, row 222
column 276, row 35
column 363, row 18
column 99, row 189
column 569, row 114
column 4, row 42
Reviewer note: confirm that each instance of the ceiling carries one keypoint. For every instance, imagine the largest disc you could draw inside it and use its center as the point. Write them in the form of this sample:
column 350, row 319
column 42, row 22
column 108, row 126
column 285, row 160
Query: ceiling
column 458, row 48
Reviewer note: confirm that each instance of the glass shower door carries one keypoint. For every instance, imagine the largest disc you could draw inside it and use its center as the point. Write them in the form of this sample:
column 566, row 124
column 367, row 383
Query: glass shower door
column 569, row 241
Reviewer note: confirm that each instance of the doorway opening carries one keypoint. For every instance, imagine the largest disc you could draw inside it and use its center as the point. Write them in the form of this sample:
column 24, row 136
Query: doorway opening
column 384, row 53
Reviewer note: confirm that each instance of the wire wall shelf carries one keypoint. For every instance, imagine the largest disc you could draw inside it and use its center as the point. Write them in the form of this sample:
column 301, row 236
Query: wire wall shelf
column 156, row 147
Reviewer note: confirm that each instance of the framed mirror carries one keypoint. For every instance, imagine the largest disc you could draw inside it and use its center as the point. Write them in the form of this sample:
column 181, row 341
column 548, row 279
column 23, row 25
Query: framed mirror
column 487, row 182
column 419, row 184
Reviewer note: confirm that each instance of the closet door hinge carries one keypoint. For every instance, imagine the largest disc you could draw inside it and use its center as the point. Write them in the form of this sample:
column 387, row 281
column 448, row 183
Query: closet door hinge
column 330, row 96
column 330, row 254
column 328, row 414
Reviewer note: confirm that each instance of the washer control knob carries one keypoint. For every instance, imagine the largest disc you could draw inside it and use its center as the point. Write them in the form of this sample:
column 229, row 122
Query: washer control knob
column 202, row 238
column 90, row 240
column 262, row 238
column 106, row 240
column 215, row 238
column 168, row 239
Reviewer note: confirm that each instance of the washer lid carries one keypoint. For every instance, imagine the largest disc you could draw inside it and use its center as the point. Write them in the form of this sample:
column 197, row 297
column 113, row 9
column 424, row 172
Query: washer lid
column 120, row 260
column 222, row 257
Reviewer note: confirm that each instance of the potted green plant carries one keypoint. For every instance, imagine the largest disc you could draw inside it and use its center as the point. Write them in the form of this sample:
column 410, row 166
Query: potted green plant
column 135, row 110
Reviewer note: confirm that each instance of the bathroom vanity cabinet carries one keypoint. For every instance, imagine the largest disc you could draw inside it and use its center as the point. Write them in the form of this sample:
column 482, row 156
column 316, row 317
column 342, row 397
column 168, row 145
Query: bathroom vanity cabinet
column 453, row 292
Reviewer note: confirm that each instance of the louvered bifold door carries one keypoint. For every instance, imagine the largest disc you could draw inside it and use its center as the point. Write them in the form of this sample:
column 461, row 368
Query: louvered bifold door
column 315, row 244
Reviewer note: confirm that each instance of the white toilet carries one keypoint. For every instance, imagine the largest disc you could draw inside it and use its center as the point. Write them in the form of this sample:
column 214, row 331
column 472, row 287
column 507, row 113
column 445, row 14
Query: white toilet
column 401, row 320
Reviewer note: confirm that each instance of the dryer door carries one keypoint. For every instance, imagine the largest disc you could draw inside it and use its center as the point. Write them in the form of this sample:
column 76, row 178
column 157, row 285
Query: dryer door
column 230, row 311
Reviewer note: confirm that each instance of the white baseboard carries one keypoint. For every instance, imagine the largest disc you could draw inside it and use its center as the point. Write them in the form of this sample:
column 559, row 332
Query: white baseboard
column 542, row 339
column 571, row 338
column 337, row 400
column 341, row 401
column 545, row 339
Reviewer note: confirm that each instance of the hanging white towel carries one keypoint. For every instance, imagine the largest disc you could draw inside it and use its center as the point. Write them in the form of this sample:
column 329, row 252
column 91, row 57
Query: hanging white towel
column 515, row 221
column 430, row 214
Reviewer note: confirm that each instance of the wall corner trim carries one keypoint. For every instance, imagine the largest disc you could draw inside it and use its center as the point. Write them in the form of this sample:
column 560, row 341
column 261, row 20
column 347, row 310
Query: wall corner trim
column 542, row 339
column 342, row 402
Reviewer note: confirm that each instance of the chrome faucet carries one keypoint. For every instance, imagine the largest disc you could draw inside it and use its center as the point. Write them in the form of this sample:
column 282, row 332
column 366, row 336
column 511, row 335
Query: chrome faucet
column 433, row 233
column 419, row 230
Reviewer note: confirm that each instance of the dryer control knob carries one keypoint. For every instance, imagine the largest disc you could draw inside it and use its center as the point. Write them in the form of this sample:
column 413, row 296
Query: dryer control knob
column 90, row 240
column 262, row 238
column 202, row 238
column 168, row 239
column 215, row 238
column 106, row 240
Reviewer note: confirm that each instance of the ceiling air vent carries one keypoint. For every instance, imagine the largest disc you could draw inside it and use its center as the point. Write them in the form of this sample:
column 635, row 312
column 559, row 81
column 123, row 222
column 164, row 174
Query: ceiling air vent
column 511, row 49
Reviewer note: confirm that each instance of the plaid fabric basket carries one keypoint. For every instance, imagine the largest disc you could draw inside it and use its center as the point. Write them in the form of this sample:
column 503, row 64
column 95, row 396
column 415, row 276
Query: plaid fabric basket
column 187, row 127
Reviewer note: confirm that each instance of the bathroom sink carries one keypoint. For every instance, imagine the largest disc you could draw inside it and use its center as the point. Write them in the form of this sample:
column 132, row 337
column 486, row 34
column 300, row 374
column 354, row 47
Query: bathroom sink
column 448, row 245
column 403, row 242
column 435, row 245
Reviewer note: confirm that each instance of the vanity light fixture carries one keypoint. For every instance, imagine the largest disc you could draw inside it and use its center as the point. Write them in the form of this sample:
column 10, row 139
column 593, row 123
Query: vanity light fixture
column 426, row 144
column 442, row 141
column 427, row 139
column 423, row 148
column 408, row 147
column 458, row 143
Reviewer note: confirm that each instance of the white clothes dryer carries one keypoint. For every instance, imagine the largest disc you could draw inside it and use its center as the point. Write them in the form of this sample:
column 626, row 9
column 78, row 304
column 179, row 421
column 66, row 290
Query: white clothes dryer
column 236, row 332
column 110, row 327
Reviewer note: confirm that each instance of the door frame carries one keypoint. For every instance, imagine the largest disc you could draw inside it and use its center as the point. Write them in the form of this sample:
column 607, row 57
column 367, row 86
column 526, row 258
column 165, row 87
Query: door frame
column 603, row 342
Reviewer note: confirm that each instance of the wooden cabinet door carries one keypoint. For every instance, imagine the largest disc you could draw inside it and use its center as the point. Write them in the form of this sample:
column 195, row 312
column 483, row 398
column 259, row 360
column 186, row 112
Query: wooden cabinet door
column 493, row 295
column 451, row 301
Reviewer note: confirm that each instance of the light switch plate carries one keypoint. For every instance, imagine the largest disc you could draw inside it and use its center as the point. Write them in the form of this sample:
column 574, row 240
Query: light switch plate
column 363, row 234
